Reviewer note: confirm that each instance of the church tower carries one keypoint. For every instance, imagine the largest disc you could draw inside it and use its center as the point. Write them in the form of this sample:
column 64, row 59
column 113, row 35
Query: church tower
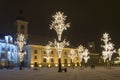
column 22, row 25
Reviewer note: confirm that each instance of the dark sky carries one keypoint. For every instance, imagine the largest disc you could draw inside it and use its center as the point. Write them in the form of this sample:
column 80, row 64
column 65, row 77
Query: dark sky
column 89, row 19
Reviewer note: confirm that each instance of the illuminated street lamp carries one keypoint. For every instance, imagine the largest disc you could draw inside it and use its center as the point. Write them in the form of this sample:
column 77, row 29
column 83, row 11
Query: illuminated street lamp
column 108, row 47
column 48, row 50
column 58, row 24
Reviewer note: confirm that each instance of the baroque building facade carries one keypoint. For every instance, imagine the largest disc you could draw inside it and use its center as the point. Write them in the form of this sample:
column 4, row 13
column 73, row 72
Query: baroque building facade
column 8, row 51
column 37, row 56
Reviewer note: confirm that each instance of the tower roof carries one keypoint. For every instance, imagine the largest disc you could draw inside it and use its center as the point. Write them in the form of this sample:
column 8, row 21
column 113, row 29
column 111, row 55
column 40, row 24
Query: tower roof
column 20, row 16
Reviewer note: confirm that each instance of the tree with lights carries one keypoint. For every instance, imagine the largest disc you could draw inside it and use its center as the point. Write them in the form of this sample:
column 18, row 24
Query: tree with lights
column 21, row 42
column 48, row 50
column 108, row 48
column 118, row 54
column 72, row 56
column 80, row 53
column 58, row 24
column 83, row 54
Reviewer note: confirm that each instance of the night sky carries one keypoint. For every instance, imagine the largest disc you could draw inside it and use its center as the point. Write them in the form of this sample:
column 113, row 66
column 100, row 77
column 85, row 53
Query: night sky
column 89, row 19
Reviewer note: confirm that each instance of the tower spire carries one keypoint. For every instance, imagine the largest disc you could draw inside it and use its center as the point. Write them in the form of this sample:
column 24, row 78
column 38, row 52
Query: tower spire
column 20, row 16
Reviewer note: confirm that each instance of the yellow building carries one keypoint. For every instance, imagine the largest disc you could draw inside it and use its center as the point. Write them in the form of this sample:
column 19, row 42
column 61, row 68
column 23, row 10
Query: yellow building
column 37, row 55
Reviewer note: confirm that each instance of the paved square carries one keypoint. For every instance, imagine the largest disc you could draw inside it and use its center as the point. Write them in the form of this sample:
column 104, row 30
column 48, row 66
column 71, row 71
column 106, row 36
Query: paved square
column 99, row 73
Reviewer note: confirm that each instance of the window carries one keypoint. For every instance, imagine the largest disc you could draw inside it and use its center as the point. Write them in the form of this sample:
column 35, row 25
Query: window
column 65, row 53
column 22, row 27
column 35, row 57
column 8, row 49
column 51, row 52
column 3, row 49
column 44, row 59
column 35, row 51
column 3, row 55
column 44, row 52
column 52, row 60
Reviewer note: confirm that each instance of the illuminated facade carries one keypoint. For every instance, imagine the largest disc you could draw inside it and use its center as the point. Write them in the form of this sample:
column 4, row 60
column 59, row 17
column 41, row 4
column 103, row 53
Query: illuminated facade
column 37, row 55
column 8, row 51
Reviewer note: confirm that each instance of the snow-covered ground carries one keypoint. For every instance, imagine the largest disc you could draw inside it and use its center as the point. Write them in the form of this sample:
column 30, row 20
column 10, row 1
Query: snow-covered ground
column 99, row 73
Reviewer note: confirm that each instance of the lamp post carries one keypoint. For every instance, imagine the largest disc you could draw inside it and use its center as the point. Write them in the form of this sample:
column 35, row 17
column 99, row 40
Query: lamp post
column 108, row 48
column 21, row 42
column 58, row 24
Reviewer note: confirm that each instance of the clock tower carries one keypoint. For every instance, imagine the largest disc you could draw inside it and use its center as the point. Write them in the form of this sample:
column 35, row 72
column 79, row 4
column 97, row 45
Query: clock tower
column 22, row 25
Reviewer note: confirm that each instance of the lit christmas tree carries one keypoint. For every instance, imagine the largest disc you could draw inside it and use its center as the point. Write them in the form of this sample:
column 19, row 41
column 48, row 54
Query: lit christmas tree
column 118, row 54
column 72, row 55
column 80, row 52
column 58, row 24
column 83, row 54
column 48, row 57
column 21, row 42
column 108, row 47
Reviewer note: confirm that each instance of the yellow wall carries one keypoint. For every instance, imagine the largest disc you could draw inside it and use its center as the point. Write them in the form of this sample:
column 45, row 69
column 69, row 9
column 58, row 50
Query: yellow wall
column 40, row 53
